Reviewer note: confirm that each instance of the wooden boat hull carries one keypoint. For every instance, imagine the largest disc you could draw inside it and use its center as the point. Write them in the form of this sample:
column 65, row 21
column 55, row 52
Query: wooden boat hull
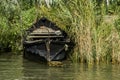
column 45, row 41
column 38, row 51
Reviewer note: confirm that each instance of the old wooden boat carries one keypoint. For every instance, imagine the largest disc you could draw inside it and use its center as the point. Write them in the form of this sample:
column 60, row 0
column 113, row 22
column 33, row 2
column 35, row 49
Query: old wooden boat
column 45, row 41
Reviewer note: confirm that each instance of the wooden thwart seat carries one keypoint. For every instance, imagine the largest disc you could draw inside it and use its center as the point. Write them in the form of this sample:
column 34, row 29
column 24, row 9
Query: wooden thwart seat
column 33, row 41
column 52, row 33
column 45, row 36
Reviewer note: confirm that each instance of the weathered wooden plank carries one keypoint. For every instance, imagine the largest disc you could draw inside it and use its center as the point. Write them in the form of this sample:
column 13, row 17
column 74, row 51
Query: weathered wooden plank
column 45, row 36
column 33, row 41
column 41, row 33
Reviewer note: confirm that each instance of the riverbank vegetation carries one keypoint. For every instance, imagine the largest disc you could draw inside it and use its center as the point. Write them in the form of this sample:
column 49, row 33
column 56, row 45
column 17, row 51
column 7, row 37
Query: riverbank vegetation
column 93, row 25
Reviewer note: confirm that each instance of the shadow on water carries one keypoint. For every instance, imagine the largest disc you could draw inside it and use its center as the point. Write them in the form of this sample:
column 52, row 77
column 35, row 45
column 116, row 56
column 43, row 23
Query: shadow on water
column 14, row 67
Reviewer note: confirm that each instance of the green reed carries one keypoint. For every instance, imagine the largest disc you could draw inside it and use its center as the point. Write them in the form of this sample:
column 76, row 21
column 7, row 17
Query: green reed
column 92, row 31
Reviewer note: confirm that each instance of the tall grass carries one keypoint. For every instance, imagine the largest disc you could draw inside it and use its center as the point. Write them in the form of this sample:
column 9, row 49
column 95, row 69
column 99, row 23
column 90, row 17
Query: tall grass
column 83, row 20
column 78, row 16
column 93, row 32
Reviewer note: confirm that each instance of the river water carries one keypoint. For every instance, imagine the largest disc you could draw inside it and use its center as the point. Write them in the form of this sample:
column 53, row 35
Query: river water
column 14, row 67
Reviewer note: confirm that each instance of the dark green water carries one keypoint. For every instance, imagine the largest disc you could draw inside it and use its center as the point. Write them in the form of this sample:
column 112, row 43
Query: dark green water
column 14, row 67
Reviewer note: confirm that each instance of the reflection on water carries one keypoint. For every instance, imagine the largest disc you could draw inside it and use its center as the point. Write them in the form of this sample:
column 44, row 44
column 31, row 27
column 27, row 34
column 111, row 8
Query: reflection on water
column 14, row 67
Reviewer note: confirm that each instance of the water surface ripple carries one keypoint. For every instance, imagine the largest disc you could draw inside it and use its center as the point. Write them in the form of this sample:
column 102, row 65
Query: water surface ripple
column 14, row 67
